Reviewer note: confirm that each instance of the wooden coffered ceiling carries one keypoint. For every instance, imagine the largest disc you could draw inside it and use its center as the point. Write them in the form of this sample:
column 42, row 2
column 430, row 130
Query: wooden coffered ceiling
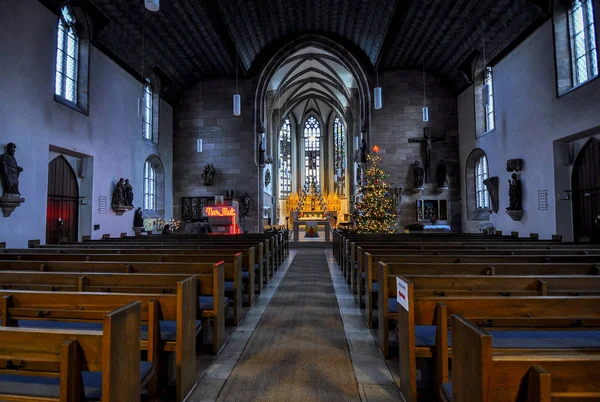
column 188, row 40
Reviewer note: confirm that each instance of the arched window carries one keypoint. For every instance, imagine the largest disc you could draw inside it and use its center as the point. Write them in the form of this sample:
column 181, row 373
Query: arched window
column 147, row 111
column 67, row 56
column 339, row 142
column 583, row 41
column 312, row 141
column 488, row 82
column 149, row 186
column 481, row 173
column 285, row 159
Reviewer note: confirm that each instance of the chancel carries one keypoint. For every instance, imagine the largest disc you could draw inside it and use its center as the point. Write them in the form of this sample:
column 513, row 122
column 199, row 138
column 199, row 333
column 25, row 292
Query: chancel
column 299, row 201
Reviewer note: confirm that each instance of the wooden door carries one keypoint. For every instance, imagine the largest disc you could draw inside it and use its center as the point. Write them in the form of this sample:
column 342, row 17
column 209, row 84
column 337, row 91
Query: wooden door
column 586, row 189
column 62, row 212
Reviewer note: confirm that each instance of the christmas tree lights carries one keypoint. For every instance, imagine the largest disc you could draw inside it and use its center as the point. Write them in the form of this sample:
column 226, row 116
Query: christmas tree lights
column 373, row 212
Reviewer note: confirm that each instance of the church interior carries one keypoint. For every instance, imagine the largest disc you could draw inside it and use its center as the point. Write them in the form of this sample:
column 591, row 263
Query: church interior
column 268, row 200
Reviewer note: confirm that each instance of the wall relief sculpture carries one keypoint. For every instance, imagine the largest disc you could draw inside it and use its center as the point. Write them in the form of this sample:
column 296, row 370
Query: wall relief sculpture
column 491, row 183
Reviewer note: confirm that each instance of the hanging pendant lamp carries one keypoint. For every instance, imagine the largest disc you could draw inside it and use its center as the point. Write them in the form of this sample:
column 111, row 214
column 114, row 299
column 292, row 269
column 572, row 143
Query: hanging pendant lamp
column 152, row 5
column 425, row 108
column 237, row 99
column 377, row 94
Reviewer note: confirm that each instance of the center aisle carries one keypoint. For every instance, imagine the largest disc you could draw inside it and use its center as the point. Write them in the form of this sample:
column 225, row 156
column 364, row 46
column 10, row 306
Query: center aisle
column 299, row 351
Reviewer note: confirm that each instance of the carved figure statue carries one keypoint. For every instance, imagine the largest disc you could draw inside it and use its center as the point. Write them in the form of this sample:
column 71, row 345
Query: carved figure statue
column 207, row 174
column 261, row 154
column 128, row 193
column 245, row 205
column 442, row 177
column 10, row 170
column 363, row 152
column 419, row 172
column 138, row 218
column 515, row 192
column 267, row 178
column 118, row 197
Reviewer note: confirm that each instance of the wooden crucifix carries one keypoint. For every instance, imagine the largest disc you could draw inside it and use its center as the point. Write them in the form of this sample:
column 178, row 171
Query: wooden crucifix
column 427, row 140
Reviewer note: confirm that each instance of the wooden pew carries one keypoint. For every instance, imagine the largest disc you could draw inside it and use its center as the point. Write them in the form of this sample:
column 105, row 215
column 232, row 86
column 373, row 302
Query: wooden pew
column 208, row 284
column 487, row 372
column 232, row 261
column 132, row 267
column 110, row 359
column 499, row 312
column 469, row 269
column 62, row 310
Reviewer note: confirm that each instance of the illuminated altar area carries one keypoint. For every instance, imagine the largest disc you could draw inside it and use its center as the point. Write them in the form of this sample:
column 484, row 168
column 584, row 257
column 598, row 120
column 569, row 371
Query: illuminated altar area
column 312, row 208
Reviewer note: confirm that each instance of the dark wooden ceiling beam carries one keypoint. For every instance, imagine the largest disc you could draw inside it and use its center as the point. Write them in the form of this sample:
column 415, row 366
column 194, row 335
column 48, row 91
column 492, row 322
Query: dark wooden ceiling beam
column 393, row 29
column 216, row 19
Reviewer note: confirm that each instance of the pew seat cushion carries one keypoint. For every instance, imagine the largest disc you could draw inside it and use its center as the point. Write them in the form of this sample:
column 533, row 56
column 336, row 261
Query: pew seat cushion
column 447, row 390
column 246, row 274
column 229, row 286
column 392, row 305
column 168, row 329
column 48, row 387
column 425, row 335
column 208, row 302
column 375, row 287
column 545, row 339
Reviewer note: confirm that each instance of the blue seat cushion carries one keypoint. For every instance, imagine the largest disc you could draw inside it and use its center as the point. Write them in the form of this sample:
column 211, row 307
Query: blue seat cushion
column 228, row 286
column 168, row 329
column 375, row 287
column 207, row 302
column 425, row 335
column 545, row 339
column 245, row 275
column 447, row 390
column 364, row 276
column 49, row 387
column 392, row 305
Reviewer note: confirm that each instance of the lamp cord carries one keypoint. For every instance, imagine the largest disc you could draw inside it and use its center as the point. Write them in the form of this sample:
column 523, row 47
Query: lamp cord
column 424, row 94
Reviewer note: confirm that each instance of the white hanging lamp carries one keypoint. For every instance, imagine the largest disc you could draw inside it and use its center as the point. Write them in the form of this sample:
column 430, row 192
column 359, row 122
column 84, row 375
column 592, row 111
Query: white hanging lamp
column 425, row 108
column 485, row 90
column 377, row 94
column 237, row 99
column 152, row 5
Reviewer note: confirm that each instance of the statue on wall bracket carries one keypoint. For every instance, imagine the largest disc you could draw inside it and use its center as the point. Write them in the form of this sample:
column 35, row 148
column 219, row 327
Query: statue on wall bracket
column 419, row 172
column 119, row 197
column 207, row 174
column 9, row 174
column 515, row 189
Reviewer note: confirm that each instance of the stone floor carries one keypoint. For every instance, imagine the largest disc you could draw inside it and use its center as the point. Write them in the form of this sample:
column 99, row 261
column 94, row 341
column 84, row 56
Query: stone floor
column 374, row 376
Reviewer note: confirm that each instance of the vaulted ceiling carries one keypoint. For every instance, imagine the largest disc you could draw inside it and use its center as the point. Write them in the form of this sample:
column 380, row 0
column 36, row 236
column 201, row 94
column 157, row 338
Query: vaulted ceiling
column 188, row 40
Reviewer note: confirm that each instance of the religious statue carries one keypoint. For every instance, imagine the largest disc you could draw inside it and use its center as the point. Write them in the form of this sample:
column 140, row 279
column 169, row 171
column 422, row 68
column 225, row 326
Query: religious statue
column 428, row 141
column 267, row 178
column 245, row 207
column 118, row 197
column 138, row 218
column 418, row 170
column 442, row 178
column 207, row 174
column 128, row 193
column 515, row 193
column 363, row 152
column 10, row 171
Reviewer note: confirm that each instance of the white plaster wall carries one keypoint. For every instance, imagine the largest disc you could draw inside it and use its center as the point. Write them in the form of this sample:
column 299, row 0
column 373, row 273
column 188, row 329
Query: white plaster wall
column 529, row 117
column 30, row 117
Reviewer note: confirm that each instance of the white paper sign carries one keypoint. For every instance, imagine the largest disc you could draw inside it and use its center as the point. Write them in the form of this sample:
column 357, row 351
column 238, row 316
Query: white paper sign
column 402, row 293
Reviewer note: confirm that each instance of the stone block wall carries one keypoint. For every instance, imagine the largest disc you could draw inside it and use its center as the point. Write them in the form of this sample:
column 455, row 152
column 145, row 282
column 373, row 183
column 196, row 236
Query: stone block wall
column 399, row 119
column 206, row 111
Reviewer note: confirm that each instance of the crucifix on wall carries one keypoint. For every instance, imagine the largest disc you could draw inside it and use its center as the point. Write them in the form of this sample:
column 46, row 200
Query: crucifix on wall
column 428, row 141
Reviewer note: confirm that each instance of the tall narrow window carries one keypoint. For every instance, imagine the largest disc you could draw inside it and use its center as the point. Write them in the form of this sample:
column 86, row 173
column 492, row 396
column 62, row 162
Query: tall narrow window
column 489, row 109
column 481, row 173
column 584, row 55
column 67, row 52
column 149, row 186
column 147, row 112
column 312, row 141
column 285, row 159
column 339, row 142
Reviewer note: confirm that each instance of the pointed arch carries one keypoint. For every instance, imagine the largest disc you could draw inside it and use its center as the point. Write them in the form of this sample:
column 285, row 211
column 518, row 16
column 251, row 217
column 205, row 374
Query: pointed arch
column 585, row 188
column 62, row 212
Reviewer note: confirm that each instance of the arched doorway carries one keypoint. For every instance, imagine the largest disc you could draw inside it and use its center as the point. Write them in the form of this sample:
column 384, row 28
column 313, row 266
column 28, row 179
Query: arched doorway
column 586, row 189
column 62, row 212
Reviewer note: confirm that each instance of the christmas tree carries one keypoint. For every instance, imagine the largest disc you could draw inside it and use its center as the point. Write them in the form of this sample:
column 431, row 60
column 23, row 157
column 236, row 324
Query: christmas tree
column 373, row 213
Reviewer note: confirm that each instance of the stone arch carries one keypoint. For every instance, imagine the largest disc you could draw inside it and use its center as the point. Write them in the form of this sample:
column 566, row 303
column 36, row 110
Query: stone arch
column 474, row 213
column 159, row 170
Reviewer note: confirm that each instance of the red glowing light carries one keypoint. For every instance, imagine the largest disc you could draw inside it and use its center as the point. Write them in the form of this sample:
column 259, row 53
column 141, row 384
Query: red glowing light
column 219, row 211
column 376, row 148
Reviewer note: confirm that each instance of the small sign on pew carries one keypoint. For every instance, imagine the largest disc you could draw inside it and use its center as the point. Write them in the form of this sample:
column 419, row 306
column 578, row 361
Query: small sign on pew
column 402, row 293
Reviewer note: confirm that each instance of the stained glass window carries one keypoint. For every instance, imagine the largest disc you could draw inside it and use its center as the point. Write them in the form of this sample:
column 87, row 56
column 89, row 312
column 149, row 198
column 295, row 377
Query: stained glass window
column 312, row 140
column 67, row 52
column 489, row 109
column 285, row 159
column 481, row 173
column 339, row 142
column 147, row 109
column 149, row 186
column 584, row 54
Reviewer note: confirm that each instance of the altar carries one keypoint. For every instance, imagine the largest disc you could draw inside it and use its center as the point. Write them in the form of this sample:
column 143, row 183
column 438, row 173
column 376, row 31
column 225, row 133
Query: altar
column 313, row 225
